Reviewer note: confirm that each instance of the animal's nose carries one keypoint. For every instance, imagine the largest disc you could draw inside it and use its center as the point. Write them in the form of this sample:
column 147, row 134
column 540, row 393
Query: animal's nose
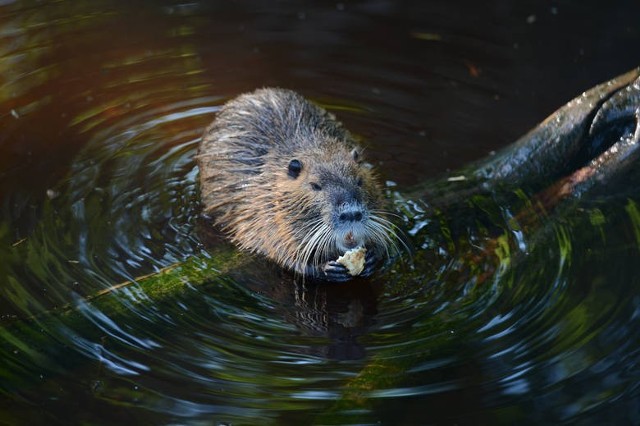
column 351, row 216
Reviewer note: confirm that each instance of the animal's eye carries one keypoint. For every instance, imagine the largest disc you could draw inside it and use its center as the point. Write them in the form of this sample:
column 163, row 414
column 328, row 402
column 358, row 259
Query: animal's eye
column 359, row 181
column 355, row 154
column 294, row 168
column 315, row 186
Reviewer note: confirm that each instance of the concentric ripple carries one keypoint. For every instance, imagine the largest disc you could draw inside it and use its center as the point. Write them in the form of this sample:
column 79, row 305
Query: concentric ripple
column 120, row 304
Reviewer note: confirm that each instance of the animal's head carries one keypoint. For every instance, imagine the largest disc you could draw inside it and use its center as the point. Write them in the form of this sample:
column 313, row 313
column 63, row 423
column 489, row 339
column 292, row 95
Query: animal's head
column 332, row 201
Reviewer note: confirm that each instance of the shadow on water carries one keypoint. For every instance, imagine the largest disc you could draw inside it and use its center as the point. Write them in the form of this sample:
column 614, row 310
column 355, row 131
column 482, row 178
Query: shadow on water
column 493, row 319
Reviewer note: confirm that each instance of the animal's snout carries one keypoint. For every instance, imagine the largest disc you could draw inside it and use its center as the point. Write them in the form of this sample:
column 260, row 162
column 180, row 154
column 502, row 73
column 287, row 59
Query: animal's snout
column 351, row 215
column 351, row 228
column 350, row 241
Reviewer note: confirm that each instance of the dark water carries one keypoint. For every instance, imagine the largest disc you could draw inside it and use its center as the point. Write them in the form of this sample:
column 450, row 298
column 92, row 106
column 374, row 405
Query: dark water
column 496, row 320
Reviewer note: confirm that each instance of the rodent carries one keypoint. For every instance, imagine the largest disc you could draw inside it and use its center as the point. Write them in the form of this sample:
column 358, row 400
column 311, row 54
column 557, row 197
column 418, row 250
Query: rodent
column 283, row 178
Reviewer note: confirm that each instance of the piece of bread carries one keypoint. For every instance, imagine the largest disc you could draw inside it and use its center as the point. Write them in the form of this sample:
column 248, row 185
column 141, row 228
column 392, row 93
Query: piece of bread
column 353, row 260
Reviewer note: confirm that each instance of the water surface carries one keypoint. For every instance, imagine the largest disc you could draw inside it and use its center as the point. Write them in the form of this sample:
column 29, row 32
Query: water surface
column 493, row 320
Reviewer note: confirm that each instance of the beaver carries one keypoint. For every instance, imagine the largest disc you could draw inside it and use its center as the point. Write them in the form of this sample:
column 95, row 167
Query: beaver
column 283, row 178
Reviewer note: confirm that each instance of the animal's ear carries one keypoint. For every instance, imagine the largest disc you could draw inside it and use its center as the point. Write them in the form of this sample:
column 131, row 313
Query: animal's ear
column 295, row 166
column 355, row 154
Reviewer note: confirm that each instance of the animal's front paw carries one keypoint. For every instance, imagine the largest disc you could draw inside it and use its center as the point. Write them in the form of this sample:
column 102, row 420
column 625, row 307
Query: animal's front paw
column 370, row 262
column 335, row 272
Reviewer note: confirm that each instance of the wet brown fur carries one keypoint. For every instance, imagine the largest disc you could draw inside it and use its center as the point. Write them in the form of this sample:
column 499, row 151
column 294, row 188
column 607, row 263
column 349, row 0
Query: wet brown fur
column 243, row 160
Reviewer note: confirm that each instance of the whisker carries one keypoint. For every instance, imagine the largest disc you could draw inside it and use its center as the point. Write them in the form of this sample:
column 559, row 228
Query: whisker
column 307, row 244
column 326, row 244
column 386, row 228
column 312, row 242
column 381, row 236
column 380, row 212
column 325, row 247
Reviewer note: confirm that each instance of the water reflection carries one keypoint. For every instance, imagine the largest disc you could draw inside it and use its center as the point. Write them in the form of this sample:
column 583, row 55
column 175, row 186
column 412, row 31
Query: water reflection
column 502, row 314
